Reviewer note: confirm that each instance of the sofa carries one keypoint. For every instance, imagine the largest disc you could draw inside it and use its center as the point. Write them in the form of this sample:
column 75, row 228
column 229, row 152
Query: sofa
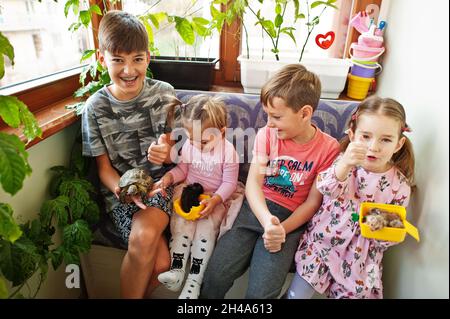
column 101, row 265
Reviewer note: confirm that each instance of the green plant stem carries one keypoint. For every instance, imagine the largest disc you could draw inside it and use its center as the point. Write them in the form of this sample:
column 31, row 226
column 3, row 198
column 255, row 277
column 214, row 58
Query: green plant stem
column 246, row 40
column 309, row 31
column 265, row 30
column 279, row 27
column 41, row 280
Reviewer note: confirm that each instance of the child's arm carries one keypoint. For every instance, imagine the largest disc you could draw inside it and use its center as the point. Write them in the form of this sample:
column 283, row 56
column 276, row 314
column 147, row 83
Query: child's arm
column 305, row 211
column 228, row 186
column 110, row 178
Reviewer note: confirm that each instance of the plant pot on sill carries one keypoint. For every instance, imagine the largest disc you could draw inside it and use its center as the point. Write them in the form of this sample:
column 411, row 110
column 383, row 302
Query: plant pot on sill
column 184, row 73
column 332, row 73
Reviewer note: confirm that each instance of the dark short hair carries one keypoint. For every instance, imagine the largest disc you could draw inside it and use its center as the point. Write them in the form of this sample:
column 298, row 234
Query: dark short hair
column 295, row 85
column 120, row 31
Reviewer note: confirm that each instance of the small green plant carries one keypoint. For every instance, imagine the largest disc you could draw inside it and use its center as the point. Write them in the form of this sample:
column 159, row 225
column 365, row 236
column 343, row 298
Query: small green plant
column 27, row 248
column 274, row 26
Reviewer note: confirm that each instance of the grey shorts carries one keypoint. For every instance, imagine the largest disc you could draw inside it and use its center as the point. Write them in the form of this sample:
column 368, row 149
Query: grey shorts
column 122, row 215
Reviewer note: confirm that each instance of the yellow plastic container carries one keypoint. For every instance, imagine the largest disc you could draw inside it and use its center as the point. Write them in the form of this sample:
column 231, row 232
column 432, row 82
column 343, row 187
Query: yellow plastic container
column 194, row 213
column 358, row 87
column 387, row 233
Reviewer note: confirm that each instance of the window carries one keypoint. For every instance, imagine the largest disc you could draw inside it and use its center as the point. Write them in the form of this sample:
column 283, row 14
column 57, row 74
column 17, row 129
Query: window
column 167, row 40
column 42, row 43
column 260, row 44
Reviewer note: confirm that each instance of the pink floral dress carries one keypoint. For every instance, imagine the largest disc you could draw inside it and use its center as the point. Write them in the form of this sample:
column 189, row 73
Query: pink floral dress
column 333, row 256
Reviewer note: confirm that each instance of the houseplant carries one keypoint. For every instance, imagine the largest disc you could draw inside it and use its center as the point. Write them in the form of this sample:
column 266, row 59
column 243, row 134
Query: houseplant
column 27, row 248
column 256, row 69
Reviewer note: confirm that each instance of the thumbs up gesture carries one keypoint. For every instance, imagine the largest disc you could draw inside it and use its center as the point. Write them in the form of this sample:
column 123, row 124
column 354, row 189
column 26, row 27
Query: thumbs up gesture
column 158, row 153
column 274, row 235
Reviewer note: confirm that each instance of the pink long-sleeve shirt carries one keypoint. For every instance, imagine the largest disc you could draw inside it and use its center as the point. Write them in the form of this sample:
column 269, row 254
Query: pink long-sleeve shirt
column 217, row 171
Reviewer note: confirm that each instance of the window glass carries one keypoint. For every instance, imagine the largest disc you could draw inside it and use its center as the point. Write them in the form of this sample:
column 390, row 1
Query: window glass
column 42, row 43
column 260, row 44
column 167, row 40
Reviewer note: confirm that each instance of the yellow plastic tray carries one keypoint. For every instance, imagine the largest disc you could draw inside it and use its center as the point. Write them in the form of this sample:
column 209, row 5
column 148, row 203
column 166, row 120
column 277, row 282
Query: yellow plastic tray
column 387, row 233
column 195, row 210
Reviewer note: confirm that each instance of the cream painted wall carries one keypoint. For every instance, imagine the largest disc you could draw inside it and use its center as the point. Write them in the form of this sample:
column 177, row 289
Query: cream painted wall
column 416, row 74
column 26, row 203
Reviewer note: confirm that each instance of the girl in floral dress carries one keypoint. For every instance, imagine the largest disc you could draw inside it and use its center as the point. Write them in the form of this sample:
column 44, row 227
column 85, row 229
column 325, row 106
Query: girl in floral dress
column 377, row 165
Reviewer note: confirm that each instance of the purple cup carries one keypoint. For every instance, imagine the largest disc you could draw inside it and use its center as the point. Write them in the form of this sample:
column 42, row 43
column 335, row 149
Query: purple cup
column 363, row 72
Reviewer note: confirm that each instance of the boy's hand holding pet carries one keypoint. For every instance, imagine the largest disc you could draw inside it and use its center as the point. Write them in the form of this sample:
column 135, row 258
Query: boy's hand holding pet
column 158, row 152
column 136, row 198
column 274, row 235
column 161, row 185
column 210, row 204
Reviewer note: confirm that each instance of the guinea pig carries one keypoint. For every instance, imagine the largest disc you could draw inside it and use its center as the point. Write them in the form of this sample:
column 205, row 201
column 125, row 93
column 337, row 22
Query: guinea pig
column 190, row 195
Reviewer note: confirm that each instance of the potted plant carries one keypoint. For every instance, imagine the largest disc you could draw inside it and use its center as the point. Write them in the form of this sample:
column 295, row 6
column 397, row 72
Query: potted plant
column 255, row 70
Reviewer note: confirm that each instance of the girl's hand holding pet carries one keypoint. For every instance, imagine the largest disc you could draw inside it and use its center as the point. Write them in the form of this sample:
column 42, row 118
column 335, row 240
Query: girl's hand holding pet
column 210, row 204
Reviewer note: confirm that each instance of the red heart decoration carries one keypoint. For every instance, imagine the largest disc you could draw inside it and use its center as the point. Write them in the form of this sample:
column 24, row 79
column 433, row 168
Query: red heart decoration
column 326, row 43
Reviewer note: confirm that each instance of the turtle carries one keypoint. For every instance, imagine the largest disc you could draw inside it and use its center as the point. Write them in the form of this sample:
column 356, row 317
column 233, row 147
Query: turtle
column 135, row 181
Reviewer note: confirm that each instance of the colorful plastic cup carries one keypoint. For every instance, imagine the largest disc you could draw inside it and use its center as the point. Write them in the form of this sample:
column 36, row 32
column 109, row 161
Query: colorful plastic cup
column 358, row 87
column 364, row 53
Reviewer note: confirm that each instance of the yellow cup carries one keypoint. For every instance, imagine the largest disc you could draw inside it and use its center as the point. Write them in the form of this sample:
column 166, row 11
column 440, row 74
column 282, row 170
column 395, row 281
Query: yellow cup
column 358, row 87
column 387, row 233
column 194, row 213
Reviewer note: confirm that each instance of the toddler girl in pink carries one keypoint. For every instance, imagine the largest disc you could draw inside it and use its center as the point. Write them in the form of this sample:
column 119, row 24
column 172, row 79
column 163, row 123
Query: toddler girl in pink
column 209, row 159
column 376, row 166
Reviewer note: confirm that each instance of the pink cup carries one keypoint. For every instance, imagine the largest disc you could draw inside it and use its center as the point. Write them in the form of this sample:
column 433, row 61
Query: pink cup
column 371, row 41
column 364, row 53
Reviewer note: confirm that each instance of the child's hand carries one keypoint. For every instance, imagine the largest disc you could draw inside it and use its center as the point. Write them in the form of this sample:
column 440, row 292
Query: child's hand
column 355, row 154
column 158, row 152
column 274, row 235
column 136, row 199
column 210, row 204
column 161, row 185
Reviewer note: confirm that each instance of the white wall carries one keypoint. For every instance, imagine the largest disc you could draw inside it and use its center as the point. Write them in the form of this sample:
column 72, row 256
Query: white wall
column 53, row 151
column 416, row 74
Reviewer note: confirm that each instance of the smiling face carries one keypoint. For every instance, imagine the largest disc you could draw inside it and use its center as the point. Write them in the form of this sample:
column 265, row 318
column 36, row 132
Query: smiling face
column 381, row 134
column 289, row 124
column 127, row 72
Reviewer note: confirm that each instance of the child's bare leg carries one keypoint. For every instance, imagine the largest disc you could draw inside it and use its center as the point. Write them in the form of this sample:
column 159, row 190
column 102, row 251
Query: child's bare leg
column 162, row 264
column 138, row 263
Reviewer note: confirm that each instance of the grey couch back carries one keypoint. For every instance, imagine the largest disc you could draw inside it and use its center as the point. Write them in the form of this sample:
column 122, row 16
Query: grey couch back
column 245, row 112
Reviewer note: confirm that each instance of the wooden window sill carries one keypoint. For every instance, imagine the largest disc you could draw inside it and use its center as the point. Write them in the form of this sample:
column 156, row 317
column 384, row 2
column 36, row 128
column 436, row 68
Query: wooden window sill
column 51, row 120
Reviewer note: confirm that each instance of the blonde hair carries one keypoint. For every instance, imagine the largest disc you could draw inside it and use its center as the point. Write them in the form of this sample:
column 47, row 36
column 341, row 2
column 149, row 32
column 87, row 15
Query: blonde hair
column 295, row 85
column 120, row 31
column 202, row 107
column 402, row 159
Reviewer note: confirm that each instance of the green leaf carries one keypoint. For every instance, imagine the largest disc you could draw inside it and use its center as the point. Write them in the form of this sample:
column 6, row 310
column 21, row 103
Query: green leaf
column 200, row 29
column 77, row 236
column 91, row 213
column 270, row 28
column 9, row 230
column 55, row 208
column 278, row 9
column 78, row 192
column 149, row 29
column 13, row 163
column 296, row 10
column 85, row 17
column 56, row 256
column 278, row 20
column 18, row 261
column 185, row 30
column 9, row 110
column 67, row 6
column 3, row 289
column 95, row 9
column 31, row 127
column 290, row 34
column 86, row 55
column 5, row 49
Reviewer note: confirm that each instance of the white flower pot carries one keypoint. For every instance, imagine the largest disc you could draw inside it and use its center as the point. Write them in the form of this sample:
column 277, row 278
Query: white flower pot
column 332, row 73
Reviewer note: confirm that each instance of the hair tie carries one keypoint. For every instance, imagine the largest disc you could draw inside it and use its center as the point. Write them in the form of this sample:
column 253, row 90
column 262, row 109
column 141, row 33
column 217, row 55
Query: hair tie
column 183, row 107
column 354, row 116
column 406, row 128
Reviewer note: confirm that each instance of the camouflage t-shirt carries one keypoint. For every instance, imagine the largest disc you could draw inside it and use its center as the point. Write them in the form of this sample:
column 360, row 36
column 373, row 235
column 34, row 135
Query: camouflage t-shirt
column 125, row 129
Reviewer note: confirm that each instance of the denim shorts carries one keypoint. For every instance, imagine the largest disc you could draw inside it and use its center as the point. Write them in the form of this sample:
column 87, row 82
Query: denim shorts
column 122, row 215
